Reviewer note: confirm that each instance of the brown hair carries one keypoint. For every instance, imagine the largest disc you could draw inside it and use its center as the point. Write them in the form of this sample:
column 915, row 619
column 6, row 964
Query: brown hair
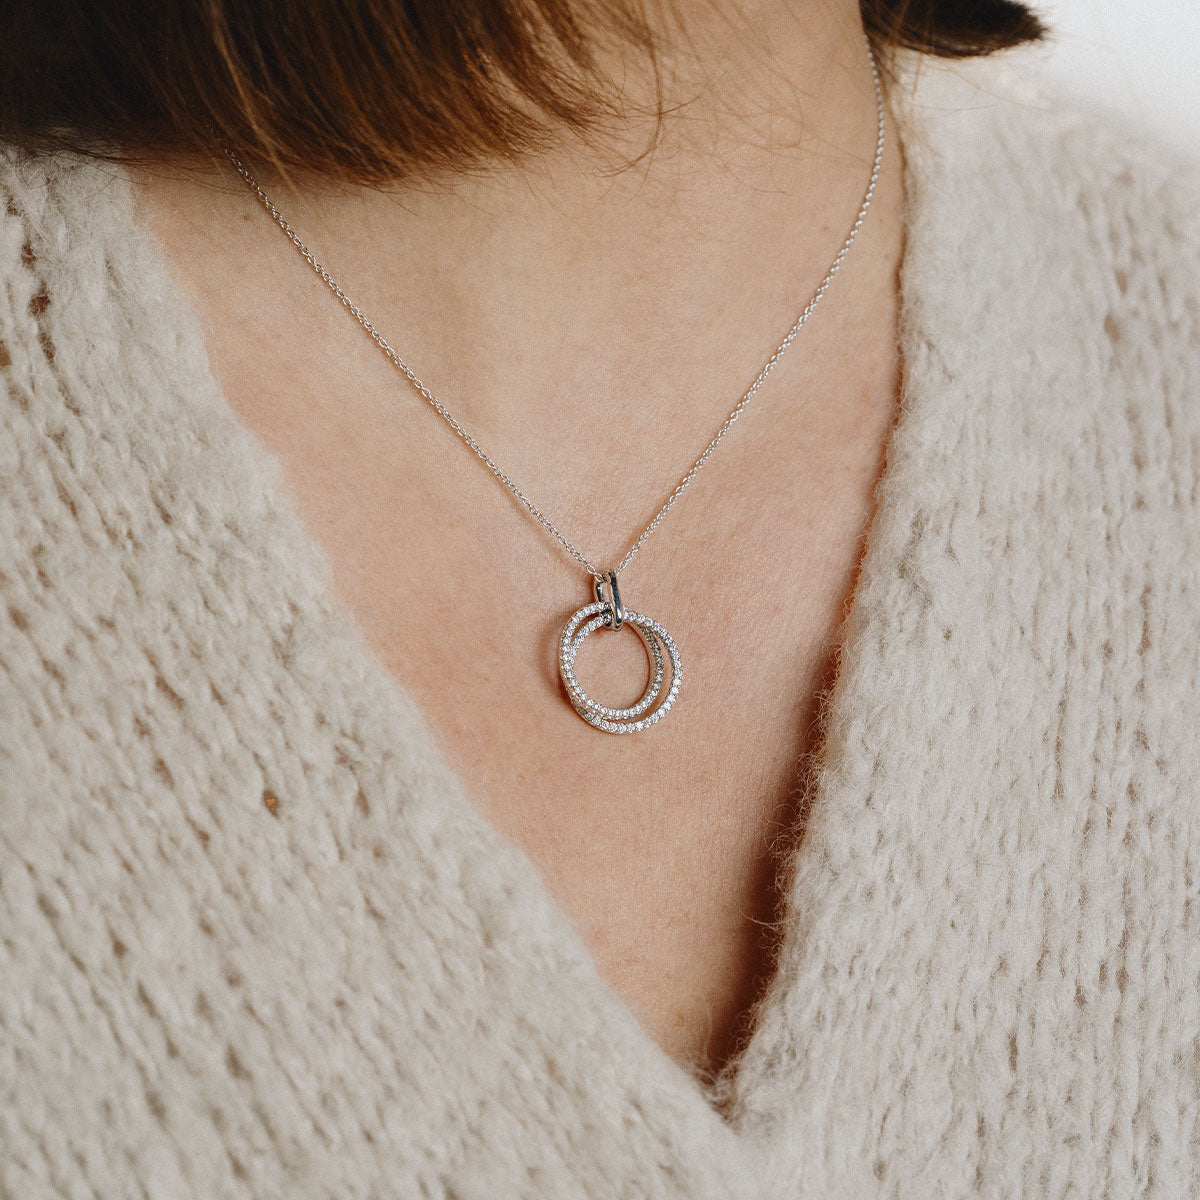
column 367, row 90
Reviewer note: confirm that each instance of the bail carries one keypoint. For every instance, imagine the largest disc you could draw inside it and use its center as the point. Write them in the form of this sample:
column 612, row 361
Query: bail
column 608, row 594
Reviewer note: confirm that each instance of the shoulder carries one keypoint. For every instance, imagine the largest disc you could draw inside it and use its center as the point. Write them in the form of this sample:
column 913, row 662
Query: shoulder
column 1044, row 145
column 57, row 213
column 1063, row 188
column 70, row 281
column 1053, row 259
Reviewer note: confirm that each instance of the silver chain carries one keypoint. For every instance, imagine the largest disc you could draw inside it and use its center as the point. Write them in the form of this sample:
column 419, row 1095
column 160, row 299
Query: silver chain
column 695, row 468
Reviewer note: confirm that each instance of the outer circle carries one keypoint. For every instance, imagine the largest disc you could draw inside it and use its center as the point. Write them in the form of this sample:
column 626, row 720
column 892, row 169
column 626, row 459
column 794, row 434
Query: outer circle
column 656, row 638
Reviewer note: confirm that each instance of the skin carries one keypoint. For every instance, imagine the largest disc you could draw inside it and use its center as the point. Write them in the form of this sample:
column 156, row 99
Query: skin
column 593, row 326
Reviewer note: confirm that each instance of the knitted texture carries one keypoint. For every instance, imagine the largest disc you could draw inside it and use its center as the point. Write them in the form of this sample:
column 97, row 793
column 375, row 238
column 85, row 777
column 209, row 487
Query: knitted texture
column 255, row 943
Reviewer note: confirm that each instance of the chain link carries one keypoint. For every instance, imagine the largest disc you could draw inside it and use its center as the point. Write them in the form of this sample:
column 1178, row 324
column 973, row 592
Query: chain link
column 696, row 467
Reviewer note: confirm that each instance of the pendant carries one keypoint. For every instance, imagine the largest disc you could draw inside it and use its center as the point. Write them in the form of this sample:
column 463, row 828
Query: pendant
column 607, row 611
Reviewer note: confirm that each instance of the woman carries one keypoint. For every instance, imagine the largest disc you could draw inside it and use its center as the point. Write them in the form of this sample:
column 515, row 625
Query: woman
column 315, row 882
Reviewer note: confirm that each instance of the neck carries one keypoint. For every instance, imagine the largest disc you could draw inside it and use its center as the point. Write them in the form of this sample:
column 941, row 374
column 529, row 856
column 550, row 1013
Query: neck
column 736, row 84
column 602, row 276
column 744, row 185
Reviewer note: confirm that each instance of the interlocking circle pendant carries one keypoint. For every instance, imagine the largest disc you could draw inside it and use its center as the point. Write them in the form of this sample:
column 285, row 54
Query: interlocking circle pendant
column 608, row 611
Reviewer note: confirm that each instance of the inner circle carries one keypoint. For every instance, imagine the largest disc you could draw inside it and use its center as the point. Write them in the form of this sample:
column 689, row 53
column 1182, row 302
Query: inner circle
column 653, row 683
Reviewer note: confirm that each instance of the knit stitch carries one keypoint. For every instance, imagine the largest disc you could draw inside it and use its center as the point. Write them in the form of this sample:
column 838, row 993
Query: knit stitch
column 255, row 943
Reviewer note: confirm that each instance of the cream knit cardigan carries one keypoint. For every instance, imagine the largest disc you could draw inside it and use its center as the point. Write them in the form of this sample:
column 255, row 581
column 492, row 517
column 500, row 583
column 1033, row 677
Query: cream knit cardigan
column 255, row 943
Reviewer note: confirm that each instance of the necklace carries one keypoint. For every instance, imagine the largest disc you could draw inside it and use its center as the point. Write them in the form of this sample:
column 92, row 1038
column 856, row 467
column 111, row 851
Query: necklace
column 606, row 609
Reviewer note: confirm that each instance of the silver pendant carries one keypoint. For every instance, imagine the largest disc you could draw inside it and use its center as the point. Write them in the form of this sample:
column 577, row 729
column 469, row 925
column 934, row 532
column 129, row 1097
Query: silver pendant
column 607, row 611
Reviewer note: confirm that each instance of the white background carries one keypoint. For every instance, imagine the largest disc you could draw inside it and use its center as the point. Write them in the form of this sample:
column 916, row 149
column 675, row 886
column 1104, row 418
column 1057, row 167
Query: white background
column 1140, row 57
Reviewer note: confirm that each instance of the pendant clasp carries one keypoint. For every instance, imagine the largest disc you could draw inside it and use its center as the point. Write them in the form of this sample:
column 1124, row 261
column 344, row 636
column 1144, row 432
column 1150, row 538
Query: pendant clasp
column 608, row 594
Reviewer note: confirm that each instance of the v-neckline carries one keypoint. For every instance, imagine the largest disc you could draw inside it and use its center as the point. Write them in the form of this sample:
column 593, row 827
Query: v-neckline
column 900, row 476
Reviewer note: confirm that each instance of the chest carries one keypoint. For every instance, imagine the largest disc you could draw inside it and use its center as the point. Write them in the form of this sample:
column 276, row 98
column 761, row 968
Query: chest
column 664, row 848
